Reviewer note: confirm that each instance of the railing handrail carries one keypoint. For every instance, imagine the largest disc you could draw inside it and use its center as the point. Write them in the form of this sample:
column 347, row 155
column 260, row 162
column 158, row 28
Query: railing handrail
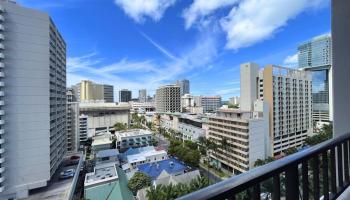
column 244, row 180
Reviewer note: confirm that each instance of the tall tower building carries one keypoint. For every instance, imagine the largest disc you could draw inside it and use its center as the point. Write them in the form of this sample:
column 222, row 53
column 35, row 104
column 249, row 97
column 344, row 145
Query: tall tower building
column 288, row 95
column 89, row 91
column 72, row 122
column 316, row 56
column 108, row 93
column 168, row 99
column 142, row 95
column 184, row 86
column 125, row 95
column 33, row 99
column 210, row 103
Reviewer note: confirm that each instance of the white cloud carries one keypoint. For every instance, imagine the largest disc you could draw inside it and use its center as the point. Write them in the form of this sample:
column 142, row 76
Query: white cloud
column 228, row 91
column 147, row 74
column 199, row 9
column 291, row 60
column 139, row 9
column 253, row 21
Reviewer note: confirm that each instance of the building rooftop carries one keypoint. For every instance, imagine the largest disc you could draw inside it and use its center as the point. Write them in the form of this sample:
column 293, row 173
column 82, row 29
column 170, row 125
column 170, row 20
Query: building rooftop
column 110, row 190
column 103, row 106
column 102, row 173
column 107, row 153
column 142, row 156
column 166, row 179
column 134, row 132
column 171, row 166
column 101, row 141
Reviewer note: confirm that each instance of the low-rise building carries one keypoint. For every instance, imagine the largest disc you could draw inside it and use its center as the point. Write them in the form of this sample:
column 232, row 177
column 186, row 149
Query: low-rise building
column 106, row 156
column 103, row 116
column 101, row 142
column 170, row 166
column 150, row 156
column 189, row 126
column 142, row 107
column 133, row 138
column 107, row 182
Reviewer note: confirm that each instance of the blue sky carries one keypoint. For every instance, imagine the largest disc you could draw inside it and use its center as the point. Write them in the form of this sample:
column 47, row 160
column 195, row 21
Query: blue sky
column 139, row 44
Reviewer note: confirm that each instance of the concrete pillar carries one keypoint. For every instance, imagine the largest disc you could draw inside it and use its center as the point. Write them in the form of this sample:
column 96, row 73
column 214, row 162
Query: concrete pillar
column 341, row 66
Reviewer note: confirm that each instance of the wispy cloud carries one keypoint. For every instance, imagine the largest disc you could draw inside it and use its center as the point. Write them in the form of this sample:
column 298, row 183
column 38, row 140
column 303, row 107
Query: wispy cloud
column 138, row 10
column 159, row 47
column 136, row 74
column 200, row 9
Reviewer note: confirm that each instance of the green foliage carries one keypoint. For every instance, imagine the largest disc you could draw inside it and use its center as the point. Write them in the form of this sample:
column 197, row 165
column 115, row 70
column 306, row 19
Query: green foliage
column 290, row 151
column 260, row 162
column 168, row 192
column 325, row 134
column 120, row 126
column 139, row 181
column 187, row 151
column 233, row 106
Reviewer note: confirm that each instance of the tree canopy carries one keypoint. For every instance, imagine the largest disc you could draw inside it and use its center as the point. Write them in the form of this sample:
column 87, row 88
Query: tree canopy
column 169, row 192
column 325, row 134
column 138, row 181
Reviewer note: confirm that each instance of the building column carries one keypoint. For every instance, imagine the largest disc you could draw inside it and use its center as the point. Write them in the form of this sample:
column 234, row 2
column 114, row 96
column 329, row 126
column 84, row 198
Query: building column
column 341, row 66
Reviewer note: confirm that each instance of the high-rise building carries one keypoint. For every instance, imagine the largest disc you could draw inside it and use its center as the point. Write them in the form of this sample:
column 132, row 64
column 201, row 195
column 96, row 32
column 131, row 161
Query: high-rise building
column 70, row 95
column 72, row 122
column 168, row 99
column 234, row 100
column 241, row 135
column 288, row 94
column 125, row 95
column 89, row 91
column 316, row 56
column 142, row 95
column 108, row 93
column 184, row 86
column 210, row 103
column 33, row 101
column 72, row 126
column 83, row 129
column 246, row 134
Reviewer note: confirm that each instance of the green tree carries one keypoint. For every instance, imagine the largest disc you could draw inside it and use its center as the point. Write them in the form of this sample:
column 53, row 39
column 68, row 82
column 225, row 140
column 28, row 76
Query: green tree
column 138, row 181
column 326, row 133
column 165, row 192
column 119, row 126
column 290, row 151
column 260, row 162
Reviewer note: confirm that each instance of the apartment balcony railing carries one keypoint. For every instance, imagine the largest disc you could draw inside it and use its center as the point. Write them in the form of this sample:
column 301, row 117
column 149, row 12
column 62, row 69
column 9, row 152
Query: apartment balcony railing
column 319, row 172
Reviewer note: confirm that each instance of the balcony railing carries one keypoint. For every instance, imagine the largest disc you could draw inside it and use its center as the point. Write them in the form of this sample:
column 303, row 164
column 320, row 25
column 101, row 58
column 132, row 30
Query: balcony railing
column 319, row 172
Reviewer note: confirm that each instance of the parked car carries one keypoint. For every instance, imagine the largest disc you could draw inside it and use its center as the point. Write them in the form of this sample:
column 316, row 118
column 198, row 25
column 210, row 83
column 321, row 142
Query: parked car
column 67, row 173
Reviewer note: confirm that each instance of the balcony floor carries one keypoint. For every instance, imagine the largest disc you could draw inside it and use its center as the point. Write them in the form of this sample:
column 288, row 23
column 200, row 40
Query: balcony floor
column 345, row 195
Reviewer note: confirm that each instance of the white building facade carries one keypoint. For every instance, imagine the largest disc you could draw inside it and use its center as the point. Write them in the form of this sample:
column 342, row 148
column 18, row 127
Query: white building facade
column 189, row 126
column 33, row 99
column 103, row 116
column 288, row 94
column 133, row 138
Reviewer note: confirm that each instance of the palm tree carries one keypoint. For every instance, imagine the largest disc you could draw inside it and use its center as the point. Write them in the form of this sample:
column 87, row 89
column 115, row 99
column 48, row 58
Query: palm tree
column 224, row 145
